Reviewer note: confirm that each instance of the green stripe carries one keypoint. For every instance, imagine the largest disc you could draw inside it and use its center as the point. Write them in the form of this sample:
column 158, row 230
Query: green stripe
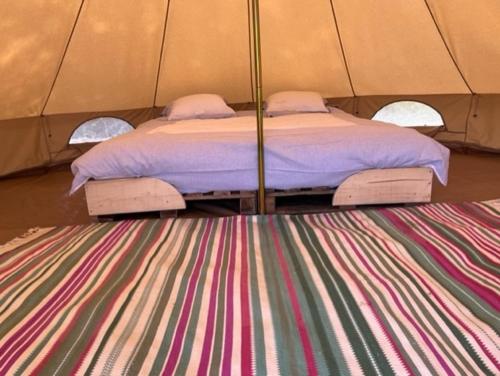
column 326, row 347
column 174, row 315
column 259, row 346
column 479, row 308
column 178, row 230
column 288, row 342
column 371, row 357
column 202, row 287
column 404, row 293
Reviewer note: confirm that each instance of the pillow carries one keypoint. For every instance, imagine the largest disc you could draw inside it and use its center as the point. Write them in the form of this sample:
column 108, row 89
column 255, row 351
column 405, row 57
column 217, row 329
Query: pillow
column 198, row 106
column 291, row 102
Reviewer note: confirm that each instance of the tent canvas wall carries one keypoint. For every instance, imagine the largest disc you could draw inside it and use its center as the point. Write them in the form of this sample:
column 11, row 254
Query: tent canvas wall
column 66, row 61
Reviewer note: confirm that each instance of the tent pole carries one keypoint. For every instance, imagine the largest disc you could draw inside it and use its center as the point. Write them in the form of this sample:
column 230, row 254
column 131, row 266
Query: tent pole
column 260, row 114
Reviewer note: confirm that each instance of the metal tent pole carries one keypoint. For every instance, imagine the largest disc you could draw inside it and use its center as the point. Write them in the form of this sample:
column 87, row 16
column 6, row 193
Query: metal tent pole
column 260, row 114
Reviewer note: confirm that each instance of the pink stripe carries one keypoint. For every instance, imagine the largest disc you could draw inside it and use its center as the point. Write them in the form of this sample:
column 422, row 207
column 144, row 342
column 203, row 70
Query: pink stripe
column 50, row 309
column 306, row 342
column 486, row 294
column 246, row 325
column 99, row 325
column 32, row 253
column 461, row 255
column 228, row 342
column 398, row 304
column 475, row 217
column 186, row 309
column 423, row 280
column 465, row 230
column 363, row 292
column 209, row 331
column 59, row 246
column 496, row 250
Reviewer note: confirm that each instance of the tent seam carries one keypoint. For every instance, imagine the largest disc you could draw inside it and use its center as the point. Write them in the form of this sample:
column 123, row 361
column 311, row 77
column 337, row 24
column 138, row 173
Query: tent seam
column 455, row 62
column 66, row 48
column 167, row 12
column 342, row 48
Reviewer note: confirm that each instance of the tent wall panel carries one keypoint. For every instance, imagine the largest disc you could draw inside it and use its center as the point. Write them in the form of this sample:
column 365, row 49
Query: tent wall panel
column 207, row 49
column 112, row 59
column 24, row 145
column 471, row 30
column 301, row 49
column 484, row 123
column 345, row 104
column 33, row 36
column 393, row 48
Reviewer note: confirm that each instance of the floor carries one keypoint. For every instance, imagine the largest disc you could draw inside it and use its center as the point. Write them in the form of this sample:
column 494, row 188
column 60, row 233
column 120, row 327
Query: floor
column 43, row 200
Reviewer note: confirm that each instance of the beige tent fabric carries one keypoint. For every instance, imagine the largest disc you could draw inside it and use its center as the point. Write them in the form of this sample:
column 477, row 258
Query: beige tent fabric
column 484, row 125
column 112, row 58
column 301, row 49
column 33, row 36
column 393, row 47
column 63, row 62
column 23, row 144
column 206, row 49
column 472, row 32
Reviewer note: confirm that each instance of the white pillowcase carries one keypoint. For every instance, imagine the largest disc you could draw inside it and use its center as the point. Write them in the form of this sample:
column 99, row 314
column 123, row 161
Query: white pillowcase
column 198, row 106
column 290, row 102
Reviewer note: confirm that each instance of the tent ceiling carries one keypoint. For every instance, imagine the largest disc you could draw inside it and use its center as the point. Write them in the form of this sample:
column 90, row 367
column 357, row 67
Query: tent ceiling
column 472, row 32
column 114, row 48
column 33, row 36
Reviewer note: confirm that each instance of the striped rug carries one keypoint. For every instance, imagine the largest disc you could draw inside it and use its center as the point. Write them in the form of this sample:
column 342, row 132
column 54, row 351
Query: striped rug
column 376, row 292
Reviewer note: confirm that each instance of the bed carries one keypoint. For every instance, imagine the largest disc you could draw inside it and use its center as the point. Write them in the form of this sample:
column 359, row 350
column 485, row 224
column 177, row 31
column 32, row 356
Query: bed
column 301, row 150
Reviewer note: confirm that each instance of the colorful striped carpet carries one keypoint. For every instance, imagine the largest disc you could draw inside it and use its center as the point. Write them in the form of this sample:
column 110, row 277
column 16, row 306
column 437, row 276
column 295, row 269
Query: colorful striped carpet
column 376, row 292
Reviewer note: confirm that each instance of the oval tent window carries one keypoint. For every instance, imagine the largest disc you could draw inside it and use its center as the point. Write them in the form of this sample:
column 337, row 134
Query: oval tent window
column 409, row 114
column 99, row 129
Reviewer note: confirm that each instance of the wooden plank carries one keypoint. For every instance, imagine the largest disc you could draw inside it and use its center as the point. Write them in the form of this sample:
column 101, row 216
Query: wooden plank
column 248, row 205
column 385, row 186
column 119, row 196
column 218, row 195
column 270, row 203
column 300, row 192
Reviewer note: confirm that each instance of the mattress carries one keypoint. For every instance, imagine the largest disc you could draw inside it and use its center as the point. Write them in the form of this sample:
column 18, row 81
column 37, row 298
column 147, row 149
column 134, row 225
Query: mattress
column 301, row 150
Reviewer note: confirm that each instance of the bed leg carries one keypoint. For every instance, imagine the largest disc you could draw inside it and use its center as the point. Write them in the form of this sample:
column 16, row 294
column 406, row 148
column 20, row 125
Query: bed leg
column 270, row 205
column 248, row 205
column 168, row 214
column 104, row 218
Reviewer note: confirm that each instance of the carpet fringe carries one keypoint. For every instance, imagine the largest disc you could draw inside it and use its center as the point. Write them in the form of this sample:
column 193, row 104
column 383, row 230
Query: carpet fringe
column 29, row 235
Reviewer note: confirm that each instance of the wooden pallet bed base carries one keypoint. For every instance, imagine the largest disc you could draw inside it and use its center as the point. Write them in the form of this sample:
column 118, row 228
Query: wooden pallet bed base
column 370, row 187
column 107, row 198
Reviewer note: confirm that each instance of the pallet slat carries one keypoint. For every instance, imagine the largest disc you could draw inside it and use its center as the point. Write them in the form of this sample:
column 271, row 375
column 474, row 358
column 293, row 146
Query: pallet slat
column 385, row 186
column 119, row 196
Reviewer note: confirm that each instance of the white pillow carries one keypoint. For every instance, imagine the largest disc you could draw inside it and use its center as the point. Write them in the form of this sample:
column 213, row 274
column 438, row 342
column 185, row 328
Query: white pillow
column 198, row 106
column 290, row 102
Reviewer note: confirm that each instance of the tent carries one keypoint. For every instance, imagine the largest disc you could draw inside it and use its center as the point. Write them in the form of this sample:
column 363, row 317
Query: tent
column 379, row 290
column 63, row 62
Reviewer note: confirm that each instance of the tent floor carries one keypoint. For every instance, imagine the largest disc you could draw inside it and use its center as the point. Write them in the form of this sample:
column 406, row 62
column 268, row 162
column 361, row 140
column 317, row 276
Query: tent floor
column 42, row 200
